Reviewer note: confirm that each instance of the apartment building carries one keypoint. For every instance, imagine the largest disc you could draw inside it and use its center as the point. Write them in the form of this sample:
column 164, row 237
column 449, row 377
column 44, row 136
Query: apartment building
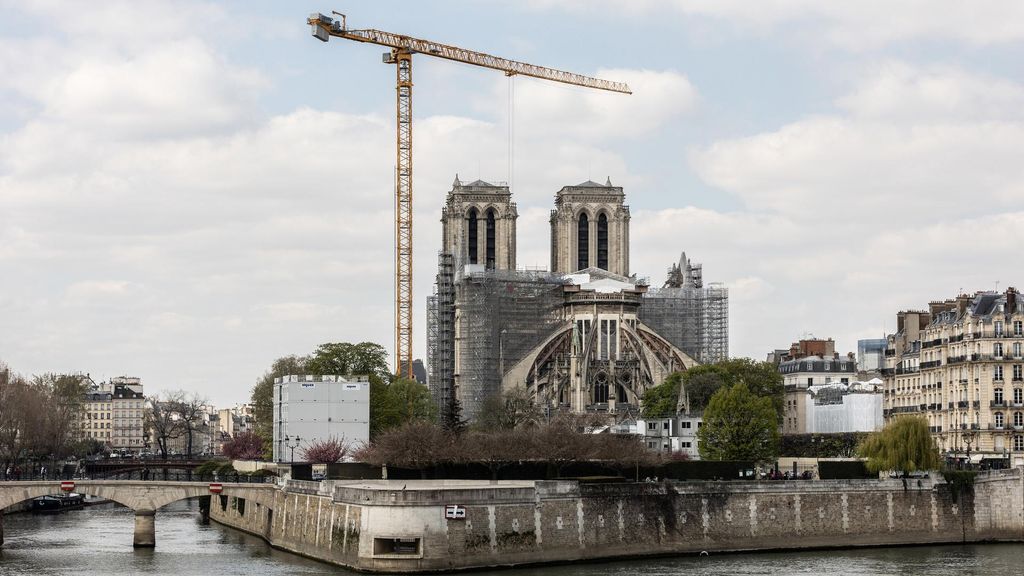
column 960, row 364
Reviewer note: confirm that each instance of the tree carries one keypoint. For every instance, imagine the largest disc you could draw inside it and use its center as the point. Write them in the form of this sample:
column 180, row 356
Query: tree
column 262, row 397
column 904, row 445
column 344, row 358
column 162, row 421
column 244, row 446
column 397, row 403
column 512, row 409
column 451, row 416
column 417, row 445
column 660, row 401
column 64, row 394
column 739, row 425
column 700, row 383
column 191, row 409
column 326, row 451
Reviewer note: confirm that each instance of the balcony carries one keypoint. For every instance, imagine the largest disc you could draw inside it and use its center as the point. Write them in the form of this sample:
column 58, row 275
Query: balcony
column 888, row 371
column 935, row 429
column 975, row 427
column 963, row 404
column 997, row 404
column 976, row 404
column 909, row 370
column 955, row 359
column 931, row 364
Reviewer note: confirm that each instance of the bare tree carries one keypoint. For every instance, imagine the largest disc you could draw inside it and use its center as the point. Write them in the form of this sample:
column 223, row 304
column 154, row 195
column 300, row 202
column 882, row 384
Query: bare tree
column 417, row 445
column 162, row 420
column 190, row 409
column 512, row 409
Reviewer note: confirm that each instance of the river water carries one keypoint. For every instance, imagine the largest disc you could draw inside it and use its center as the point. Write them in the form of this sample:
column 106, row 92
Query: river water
column 98, row 541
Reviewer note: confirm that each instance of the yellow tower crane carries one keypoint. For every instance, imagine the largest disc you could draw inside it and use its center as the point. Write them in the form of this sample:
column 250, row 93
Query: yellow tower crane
column 402, row 49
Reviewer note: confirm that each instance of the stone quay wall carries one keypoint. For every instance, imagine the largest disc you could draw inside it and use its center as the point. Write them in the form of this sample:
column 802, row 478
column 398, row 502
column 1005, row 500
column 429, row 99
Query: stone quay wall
column 401, row 526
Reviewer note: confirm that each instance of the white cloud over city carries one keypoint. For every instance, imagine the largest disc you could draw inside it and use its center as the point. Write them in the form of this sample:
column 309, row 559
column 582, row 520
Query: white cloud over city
column 172, row 210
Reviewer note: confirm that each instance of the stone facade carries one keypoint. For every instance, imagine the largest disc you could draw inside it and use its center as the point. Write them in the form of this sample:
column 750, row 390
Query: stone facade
column 479, row 225
column 590, row 229
column 402, row 526
column 960, row 364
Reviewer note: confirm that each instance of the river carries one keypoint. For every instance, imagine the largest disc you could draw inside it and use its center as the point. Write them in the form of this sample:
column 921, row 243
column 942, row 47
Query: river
column 98, row 541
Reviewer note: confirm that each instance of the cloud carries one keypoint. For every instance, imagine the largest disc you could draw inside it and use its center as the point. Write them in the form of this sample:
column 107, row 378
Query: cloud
column 934, row 143
column 855, row 26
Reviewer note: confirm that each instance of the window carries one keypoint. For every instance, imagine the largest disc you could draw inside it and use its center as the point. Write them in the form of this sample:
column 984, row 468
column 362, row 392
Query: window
column 997, row 395
column 997, row 349
column 583, row 242
column 810, row 381
column 998, row 328
column 685, row 444
column 664, row 425
column 1018, row 328
column 1018, row 443
column 1018, row 396
column 999, row 420
column 997, row 372
column 652, row 425
column 471, row 240
column 1018, row 419
column 1016, row 349
column 686, row 424
column 828, row 366
column 490, row 239
column 602, row 242
column 1017, row 375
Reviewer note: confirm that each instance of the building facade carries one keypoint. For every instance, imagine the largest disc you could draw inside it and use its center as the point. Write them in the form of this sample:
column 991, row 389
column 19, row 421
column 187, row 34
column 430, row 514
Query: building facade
column 960, row 365
column 309, row 408
column 809, row 363
column 579, row 337
column 114, row 413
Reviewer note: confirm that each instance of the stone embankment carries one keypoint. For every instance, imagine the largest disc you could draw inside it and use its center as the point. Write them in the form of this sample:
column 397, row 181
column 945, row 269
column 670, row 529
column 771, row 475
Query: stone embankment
column 414, row 526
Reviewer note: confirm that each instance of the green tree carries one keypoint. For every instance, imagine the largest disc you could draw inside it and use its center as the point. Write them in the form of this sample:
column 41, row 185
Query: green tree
column 739, row 425
column 262, row 397
column 400, row 402
column 661, row 400
column 904, row 445
column 344, row 358
column 700, row 383
column 451, row 416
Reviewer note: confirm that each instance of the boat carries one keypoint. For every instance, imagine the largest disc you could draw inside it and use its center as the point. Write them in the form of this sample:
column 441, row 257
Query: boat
column 55, row 504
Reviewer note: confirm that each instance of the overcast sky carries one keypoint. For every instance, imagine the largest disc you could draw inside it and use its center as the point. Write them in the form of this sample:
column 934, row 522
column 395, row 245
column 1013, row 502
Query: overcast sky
column 189, row 190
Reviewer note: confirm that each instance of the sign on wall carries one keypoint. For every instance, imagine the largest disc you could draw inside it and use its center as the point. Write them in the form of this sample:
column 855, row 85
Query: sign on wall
column 455, row 512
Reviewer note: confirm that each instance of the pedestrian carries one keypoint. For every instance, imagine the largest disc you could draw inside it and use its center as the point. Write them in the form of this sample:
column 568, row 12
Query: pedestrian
column 42, row 472
column 17, row 472
column 7, row 473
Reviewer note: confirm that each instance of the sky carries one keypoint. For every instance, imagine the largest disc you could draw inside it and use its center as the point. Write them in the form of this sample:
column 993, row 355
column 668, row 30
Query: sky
column 189, row 190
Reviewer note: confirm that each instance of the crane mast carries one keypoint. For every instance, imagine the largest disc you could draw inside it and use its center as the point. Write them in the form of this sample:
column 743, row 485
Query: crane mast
column 402, row 48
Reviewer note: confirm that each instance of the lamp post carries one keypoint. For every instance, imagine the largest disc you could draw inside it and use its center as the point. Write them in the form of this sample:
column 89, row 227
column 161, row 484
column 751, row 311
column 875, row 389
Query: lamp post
column 968, row 438
column 288, row 442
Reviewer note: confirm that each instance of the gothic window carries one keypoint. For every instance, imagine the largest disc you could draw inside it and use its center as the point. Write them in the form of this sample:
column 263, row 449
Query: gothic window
column 601, row 388
column 490, row 239
column 583, row 242
column 602, row 242
column 472, row 239
column 622, row 394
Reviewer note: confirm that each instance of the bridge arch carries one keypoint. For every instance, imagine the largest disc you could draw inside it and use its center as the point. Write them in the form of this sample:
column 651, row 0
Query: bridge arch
column 144, row 498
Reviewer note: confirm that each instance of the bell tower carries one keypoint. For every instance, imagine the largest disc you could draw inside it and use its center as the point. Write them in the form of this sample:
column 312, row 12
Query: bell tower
column 479, row 225
column 590, row 229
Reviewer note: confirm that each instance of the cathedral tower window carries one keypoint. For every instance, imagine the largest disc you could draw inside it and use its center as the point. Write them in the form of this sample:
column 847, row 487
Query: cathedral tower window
column 490, row 239
column 472, row 239
column 602, row 242
column 583, row 242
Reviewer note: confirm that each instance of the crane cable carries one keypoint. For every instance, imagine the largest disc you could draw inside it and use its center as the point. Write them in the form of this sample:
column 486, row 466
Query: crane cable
column 511, row 128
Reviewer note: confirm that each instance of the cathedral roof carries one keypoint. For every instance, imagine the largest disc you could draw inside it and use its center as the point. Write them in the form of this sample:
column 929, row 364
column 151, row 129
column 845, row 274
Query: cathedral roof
column 600, row 280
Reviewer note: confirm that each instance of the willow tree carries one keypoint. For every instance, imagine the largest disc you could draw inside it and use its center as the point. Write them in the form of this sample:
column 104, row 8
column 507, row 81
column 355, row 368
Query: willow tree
column 904, row 445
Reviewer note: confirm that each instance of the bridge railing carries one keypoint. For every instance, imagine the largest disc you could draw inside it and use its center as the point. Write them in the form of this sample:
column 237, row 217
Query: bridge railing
column 150, row 475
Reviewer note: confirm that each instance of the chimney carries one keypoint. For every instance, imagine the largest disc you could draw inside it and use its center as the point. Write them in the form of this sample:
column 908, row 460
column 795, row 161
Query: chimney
column 1011, row 300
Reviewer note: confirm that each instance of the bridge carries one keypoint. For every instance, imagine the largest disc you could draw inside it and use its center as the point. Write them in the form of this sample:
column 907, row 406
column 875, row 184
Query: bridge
column 144, row 497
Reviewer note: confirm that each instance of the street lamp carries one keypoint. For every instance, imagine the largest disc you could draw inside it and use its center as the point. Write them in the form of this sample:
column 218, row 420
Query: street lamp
column 288, row 442
column 968, row 438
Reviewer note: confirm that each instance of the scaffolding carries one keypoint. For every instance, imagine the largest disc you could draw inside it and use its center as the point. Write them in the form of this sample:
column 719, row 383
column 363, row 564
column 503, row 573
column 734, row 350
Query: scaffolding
column 441, row 333
column 695, row 320
column 501, row 316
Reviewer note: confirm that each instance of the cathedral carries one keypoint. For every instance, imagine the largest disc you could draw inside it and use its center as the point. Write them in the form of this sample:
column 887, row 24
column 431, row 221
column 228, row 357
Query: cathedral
column 584, row 336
